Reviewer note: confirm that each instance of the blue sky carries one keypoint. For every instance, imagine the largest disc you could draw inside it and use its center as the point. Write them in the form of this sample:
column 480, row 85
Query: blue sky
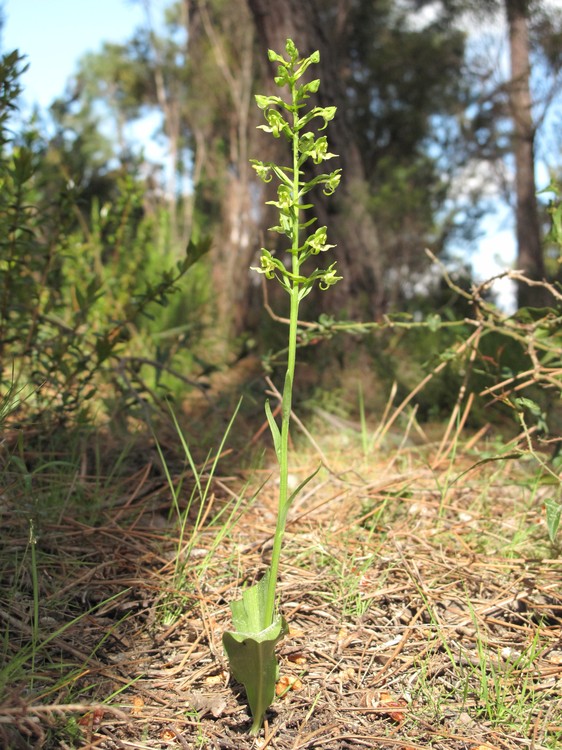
column 55, row 33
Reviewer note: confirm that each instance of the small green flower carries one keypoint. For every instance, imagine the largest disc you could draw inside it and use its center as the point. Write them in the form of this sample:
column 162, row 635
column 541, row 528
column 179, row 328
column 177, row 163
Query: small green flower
column 316, row 243
column 308, row 88
column 331, row 182
column 277, row 124
column 269, row 264
column 283, row 78
column 316, row 149
column 265, row 102
column 263, row 170
column 329, row 278
column 285, row 195
column 326, row 113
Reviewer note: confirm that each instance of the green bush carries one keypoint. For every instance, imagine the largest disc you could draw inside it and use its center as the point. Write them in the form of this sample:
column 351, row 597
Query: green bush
column 79, row 296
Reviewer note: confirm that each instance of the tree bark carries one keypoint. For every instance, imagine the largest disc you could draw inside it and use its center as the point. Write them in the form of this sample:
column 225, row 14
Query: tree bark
column 317, row 25
column 235, row 253
column 224, row 34
column 529, row 246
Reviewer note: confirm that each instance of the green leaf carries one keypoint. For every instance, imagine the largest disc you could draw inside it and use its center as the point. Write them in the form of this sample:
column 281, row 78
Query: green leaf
column 526, row 403
column 433, row 322
column 195, row 250
column 530, row 315
column 251, row 649
column 274, row 429
column 553, row 515
column 301, row 486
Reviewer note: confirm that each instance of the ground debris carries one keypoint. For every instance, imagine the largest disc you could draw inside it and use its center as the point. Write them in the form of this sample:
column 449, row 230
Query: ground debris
column 415, row 622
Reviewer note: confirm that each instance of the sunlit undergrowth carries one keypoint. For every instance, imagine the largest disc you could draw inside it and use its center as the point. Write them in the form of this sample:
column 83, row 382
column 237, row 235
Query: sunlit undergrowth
column 100, row 313
column 420, row 583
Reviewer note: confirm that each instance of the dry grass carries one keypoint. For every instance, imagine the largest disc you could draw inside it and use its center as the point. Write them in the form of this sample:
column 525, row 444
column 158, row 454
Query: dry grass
column 424, row 601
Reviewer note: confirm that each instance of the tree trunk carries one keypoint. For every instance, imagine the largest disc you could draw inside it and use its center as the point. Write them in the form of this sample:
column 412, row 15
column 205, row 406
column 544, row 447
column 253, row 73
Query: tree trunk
column 529, row 246
column 318, row 25
column 222, row 36
column 237, row 224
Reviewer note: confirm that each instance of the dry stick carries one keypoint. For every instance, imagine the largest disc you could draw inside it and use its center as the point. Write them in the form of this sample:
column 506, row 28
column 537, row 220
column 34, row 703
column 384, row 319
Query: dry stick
column 366, row 741
column 165, row 368
column 9, row 713
column 396, row 451
column 547, row 373
column 381, row 487
column 268, row 736
column 386, row 412
column 491, row 319
column 400, row 646
column 400, row 408
column 93, row 665
column 278, row 318
column 309, row 737
column 520, row 276
column 201, row 525
column 476, row 438
column 499, row 605
column 176, row 670
column 123, row 744
column 479, row 290
column 462, row 392
column 135, row 493
column 460, row 426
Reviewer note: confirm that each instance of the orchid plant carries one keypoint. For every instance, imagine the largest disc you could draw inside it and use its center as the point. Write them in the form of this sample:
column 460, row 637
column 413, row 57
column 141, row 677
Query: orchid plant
column 250, row 648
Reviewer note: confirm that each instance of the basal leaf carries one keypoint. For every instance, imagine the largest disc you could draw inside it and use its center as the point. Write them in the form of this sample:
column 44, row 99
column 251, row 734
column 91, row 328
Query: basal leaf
column 251, row 649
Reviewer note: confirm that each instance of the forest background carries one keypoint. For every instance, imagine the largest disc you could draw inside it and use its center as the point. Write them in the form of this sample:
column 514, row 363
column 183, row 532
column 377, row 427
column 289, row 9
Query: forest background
column 431, row 133
column 131, row 323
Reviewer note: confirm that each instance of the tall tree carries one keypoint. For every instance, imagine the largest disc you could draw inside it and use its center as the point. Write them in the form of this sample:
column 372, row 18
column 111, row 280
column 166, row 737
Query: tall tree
column 533, row 32
column 222, row 79
column 529, row 242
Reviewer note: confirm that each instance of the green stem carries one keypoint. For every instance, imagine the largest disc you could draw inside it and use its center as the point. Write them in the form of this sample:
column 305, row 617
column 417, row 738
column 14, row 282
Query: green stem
column 287, row 397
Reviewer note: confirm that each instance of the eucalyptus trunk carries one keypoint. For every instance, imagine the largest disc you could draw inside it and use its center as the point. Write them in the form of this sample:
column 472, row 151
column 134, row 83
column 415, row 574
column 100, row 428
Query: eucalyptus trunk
column 529, row 245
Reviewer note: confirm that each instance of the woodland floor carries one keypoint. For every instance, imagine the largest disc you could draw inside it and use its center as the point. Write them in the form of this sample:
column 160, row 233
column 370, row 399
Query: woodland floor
column 423, row 596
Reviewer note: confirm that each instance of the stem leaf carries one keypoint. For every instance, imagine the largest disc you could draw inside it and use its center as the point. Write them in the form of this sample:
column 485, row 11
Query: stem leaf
column 301, row 486
column 288, row 385
column 274, row 429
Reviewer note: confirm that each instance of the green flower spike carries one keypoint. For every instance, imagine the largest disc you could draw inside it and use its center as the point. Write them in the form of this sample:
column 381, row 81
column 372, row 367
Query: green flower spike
column 258, row 627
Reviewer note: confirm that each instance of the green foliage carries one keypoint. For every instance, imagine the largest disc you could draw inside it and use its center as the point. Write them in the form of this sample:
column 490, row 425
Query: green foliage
column 75, row 292
column 553, row 240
